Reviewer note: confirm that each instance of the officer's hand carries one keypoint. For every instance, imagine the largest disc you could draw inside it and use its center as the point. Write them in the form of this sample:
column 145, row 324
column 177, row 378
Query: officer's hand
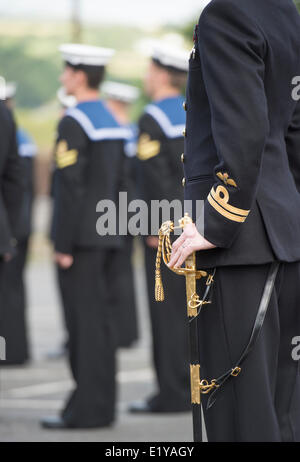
column 7, row 257
column 63, row 260
column 190, row 241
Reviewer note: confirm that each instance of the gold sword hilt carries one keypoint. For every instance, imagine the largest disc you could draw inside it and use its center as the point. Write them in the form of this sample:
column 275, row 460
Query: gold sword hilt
column 190, row 272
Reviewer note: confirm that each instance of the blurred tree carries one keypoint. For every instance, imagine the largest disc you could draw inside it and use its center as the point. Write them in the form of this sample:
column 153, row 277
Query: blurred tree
column 187, row 30
column 37, row 76
column 76, row 22
column 32, row 59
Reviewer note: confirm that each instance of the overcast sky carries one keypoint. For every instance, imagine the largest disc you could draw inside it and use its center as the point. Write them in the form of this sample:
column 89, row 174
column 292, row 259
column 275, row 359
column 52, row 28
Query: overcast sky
column 138, row 12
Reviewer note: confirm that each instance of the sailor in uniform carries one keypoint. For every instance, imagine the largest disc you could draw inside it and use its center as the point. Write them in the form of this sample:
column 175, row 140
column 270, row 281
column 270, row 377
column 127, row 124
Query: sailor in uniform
column 159, row 151
column 89, row 162
column 13, row 320
column 242, row 160
column 119, row 98
column 10, row 198
column 65, row 101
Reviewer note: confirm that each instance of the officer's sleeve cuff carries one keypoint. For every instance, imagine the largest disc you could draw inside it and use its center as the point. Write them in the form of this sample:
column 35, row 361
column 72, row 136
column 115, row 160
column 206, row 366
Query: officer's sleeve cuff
column 222, row 221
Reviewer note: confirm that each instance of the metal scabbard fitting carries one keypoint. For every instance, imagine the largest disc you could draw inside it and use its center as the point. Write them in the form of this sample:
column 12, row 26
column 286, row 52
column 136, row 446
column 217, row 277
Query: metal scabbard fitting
column 199, row 386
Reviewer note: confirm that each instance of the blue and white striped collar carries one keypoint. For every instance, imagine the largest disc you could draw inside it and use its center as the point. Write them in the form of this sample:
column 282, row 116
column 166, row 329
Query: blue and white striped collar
column 169, row 114
column 98, row 122
column 26, row 146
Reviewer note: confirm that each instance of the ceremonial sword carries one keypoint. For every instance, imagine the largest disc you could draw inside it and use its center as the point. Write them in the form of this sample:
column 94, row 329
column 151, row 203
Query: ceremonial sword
column 194, row 305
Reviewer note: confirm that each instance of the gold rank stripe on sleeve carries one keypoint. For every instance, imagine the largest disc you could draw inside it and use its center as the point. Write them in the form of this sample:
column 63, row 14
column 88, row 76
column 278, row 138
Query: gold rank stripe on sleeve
column 64, row 156
column 68, row 159
column 147, row 148
column 219, row 201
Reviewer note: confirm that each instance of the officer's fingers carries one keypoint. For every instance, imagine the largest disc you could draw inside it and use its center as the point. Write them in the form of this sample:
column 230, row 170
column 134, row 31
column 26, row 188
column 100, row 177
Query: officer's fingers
column 180, row 256
column 178, row 243
column 183, row 256
column 174, row 257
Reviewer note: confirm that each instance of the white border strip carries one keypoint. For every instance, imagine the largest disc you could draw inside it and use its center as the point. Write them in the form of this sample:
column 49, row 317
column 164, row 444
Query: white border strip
column 114, row 133
column 172, row 131
column 27, row 150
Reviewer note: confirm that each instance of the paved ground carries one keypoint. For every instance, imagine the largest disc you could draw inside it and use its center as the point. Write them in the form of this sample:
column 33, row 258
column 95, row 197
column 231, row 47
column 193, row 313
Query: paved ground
column 30, row 392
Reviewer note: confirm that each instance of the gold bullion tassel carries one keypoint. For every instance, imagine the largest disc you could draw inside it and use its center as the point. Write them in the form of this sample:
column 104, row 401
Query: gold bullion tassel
column 159, row 288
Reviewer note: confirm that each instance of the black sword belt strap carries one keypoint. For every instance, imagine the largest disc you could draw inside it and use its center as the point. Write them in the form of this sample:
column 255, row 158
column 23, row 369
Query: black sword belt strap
column 263, row 308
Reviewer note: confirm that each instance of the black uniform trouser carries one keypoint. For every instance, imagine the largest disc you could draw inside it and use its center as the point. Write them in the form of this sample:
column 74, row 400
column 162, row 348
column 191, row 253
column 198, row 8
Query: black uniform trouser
column 263, row 403
column 1, row 279
column 85, row 290
column 124, row 295
column 13, row 314
column 169, row 338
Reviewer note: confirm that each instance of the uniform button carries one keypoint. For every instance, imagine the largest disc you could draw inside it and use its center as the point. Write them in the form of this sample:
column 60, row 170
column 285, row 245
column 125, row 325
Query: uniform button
column 183, row 182
column 182, row 158
column 185, row 106
column 184, row 132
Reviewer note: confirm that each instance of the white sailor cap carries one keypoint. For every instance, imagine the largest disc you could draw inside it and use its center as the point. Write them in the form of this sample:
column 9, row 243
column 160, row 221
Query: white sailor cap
column 10, row 90
column 170, row 56
column 87, row 55
column 65, row 100
column 120, row 91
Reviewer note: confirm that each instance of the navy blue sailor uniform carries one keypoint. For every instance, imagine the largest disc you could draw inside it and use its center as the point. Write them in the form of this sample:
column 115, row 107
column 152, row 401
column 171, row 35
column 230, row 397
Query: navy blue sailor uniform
column 11, row 183
column 159, row 151
column 90, row 165
column 14, row 327
column 241, row 151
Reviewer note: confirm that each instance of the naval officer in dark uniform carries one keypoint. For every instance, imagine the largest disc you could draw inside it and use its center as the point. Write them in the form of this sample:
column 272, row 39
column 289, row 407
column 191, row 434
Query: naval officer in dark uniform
column 14, row 326
column 242, row 159
column 65, row 101
column 159, row 151
column 89, row 159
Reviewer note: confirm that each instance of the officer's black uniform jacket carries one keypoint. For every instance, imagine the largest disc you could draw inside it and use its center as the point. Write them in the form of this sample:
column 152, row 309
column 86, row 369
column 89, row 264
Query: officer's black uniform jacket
column 90, row 165
column 160, row 146
column 11, row 186
column 242, row 146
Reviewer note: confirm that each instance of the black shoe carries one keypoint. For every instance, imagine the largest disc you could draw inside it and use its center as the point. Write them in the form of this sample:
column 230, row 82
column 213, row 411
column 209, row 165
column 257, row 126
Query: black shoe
column 58, row 423
column 144, row 407
column 139, row 407
column 54, row 423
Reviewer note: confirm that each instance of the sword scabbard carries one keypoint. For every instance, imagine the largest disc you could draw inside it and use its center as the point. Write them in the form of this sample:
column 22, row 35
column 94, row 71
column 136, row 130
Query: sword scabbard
column 193, row 305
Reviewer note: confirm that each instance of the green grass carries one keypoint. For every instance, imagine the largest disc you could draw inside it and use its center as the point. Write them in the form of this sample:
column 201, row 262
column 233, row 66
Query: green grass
column 41, row 124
